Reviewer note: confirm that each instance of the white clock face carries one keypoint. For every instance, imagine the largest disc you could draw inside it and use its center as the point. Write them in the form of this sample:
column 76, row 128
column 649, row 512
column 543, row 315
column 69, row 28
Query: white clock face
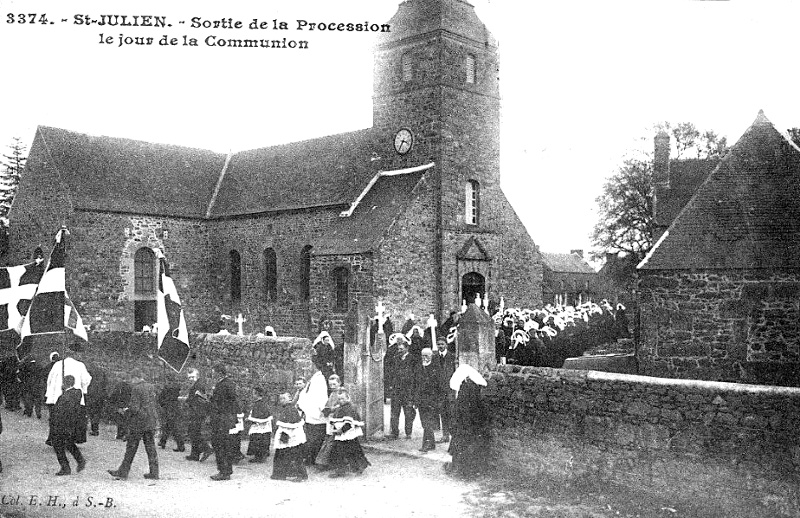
column 403, row 141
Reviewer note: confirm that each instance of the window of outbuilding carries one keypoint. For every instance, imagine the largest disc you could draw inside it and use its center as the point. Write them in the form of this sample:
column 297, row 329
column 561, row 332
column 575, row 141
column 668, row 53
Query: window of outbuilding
column 270, row 275
column 341, row 284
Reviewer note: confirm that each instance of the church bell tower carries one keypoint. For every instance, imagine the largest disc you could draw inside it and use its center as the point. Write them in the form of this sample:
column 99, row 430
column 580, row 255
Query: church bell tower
column 436, row 78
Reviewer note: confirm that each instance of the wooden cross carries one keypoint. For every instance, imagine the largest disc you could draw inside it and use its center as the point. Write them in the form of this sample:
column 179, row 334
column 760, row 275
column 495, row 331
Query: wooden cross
column 240, row 320
column 380, row 316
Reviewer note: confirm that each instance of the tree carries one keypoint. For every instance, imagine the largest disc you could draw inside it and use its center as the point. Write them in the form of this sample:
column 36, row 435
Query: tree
column 625, row 211
column 13, row 164
column 625, row 208
column 686, row 138
column 794, row 134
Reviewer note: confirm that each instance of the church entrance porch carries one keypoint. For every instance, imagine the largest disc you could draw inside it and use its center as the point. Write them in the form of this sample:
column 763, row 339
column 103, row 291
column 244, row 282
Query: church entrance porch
column 472, row 284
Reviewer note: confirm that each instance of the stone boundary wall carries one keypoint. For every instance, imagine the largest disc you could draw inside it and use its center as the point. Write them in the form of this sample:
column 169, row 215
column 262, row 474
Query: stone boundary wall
column 267, row 361
column 683, row 439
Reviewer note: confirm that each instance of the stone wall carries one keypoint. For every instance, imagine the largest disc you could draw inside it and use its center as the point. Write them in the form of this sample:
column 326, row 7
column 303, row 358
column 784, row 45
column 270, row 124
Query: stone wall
column 287, row 233
column 680, row 438
column 722, row 325
column 250, row 360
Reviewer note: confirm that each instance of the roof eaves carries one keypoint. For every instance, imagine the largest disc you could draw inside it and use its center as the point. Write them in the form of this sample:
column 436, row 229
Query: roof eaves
column 349, row 212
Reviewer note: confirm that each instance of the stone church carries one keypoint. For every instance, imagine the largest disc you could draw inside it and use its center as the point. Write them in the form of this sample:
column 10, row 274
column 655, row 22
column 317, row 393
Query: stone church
column 408, row 212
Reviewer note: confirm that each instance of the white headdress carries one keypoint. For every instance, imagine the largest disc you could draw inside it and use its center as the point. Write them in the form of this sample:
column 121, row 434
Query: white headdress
column 463, row 372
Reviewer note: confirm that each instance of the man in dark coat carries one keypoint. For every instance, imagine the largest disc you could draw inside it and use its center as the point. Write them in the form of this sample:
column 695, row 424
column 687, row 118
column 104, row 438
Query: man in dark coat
column 197, row 407
column 402, row 390
column 428, row 397
column 224, row 408
column 9, row 384
column 142, row 414
column 171, row 413
column 118, row 400
column 447, row 365
column 66, row 426
column 33, row 384
column 96, row 395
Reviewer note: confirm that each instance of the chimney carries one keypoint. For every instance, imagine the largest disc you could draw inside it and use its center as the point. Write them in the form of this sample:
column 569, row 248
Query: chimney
column 579, row 253
column 660, row 177
column 661, row 159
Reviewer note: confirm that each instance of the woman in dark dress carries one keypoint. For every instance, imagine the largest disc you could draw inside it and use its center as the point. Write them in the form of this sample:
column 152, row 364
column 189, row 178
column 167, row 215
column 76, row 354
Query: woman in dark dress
column 469, row 445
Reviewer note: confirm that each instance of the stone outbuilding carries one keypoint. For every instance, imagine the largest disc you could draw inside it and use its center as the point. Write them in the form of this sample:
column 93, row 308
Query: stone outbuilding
column 568, row 279
column 720, row 290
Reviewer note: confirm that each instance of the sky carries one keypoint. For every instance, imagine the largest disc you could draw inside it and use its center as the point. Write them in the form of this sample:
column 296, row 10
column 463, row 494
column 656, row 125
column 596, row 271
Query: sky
column 582, row 82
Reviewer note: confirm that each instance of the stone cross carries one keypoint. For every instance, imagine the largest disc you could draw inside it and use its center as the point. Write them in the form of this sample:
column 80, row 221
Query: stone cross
column 240, row 320
column 380, row 315
column 432, row 325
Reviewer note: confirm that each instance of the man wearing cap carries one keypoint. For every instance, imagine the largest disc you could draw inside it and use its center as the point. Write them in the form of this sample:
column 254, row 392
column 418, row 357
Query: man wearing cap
column 142, row 414
column 224, row 411
column 402, row 389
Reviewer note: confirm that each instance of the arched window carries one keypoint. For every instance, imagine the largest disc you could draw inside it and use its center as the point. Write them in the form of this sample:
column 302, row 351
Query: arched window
column 270, row 275
column 305, row 272
column 472, row 284
column 236, row 276
column 472, row 202
column 408, row 71
column 145, row 275
column 341, row 286
column 470, row 66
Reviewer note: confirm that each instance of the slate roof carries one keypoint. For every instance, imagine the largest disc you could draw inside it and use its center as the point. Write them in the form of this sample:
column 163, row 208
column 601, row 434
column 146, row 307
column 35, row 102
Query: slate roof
column 375, row 213
column 566, row 263
column 746, row 214
column 124, row 175
column 323, row 171
column 135, row 177
column 686, row 175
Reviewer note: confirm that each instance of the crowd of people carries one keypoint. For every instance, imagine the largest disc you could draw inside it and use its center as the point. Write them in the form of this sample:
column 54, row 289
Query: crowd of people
column 546, row 337
column 315, row 425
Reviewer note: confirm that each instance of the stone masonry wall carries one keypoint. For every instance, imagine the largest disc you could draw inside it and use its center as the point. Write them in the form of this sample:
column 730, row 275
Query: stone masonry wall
column 405, row 265
column 287, row 233
column 322, row 303
column 680, row 438
column 727, row 326
column 250, row 360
